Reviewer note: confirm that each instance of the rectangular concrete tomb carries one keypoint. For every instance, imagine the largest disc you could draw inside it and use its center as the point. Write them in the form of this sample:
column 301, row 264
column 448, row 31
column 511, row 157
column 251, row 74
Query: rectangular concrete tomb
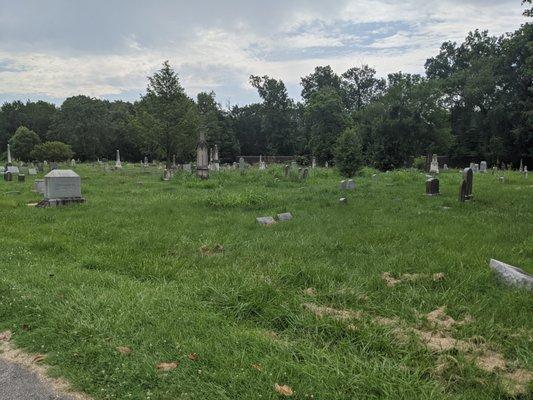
column 61, row 187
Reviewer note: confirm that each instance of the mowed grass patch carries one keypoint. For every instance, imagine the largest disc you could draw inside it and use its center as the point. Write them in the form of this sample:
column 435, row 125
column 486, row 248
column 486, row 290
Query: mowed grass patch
column 169, row 269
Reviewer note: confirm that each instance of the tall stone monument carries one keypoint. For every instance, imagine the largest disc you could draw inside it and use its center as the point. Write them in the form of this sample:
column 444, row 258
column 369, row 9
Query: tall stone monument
column 262, row 164
column 9, row 163
column 118, row 164
column 202, row 161
column 215, row 160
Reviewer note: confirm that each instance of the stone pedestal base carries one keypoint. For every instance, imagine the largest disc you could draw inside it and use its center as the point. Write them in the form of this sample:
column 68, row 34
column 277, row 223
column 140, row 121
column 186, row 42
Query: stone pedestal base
column 60, row 202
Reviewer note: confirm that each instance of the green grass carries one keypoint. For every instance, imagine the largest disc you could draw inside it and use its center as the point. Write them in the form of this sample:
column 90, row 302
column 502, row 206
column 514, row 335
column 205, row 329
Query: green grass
column 125, row 269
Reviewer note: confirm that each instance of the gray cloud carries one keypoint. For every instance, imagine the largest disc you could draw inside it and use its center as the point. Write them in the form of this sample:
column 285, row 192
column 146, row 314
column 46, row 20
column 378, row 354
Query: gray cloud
column 58, row 48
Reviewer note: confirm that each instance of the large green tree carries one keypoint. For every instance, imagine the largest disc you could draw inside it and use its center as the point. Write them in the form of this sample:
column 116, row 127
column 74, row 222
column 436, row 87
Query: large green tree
column 23, row 142
column 166, row 119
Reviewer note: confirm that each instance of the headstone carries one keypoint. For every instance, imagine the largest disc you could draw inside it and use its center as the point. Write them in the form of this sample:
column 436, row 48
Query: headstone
column 2, row 169
column 284, row 216
column 202, row 162
column 432, row 187
column 287, row 167
column 476, row 167
column 13, row 169
column 525, row 171
column 22, row 178
column 434, row 166
column 521, row 166
column 187, row 167
column 216, row 159
column 313, row 163
column 465, row 190
column 72, row 163
column 265, row 220
column 305, row 173
column 8, row 176
column 242, row 165
column 483, row 166
column 342, row 185
column 512, row 275
column 32, row 171
column 61, row 187
column 174, row 166
column 262, row 165
column 167, row 175
column 118, row 163
column 326, row 165
column 145, row 160
column 53, row 166
column 445, row 167
column 494, row 169
column 39, row 186
column 472, row 166
column 501, row 179
column 350, row 185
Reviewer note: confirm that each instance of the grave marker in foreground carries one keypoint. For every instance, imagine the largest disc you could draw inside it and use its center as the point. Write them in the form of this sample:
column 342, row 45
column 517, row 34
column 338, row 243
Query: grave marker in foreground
column 61, row 187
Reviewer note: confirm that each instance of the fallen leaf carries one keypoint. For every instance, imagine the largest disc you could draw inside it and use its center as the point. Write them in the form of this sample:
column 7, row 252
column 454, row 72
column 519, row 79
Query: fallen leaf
column 5, row 336
column 193, row 357
column 257, row 367
column 38, row 358
column 167, row 366
column 124, row 350
column 283, row 390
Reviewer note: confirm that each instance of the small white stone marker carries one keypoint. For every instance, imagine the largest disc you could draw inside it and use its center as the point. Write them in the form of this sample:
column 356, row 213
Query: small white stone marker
column 265, row 220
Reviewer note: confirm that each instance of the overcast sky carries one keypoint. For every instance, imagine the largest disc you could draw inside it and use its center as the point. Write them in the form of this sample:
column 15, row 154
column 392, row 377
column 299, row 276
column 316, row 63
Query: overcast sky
column 52, row 49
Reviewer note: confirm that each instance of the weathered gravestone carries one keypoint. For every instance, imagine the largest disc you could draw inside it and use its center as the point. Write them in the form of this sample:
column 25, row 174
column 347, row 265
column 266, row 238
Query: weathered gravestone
column 350, row 185
column 342, row 185
column 432, row 187
column 287, row 167
column 22, row 178
column 483, row 166
column 512, row 275
column 13, row 169
column 8, row 176
column 476, row 167
column 167, row 174
column 305, row 173
column 53, row 166
column 434, row 166
column 242, row 164
column 202, row 162
column 465, row 190
column 284, row 216
column 265, row 220
column 61, row 187
column 2, row 170
column 32, row 171
column 39, row 186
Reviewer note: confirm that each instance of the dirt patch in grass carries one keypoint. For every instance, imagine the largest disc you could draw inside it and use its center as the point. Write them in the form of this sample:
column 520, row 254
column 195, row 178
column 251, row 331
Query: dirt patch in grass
column 392, row 281
column 32, row 362
column 322, row 311
column 439, row 319
column 208, row 251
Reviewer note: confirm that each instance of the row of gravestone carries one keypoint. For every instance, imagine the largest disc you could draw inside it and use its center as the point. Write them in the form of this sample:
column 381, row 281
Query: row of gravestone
column 465, row 189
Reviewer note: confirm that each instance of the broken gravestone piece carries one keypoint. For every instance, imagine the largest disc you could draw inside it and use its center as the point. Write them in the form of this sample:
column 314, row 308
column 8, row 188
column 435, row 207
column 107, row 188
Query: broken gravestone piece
column 512, row 275
column 265, row 220
column 284, row 216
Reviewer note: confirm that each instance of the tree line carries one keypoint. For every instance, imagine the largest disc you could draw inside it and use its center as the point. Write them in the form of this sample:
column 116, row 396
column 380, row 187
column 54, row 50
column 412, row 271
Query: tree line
column 474, row 102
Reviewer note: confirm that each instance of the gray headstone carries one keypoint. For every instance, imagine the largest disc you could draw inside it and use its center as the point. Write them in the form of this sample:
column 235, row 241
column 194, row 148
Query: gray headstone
column 432, row 187
column 284, row 216
column 39, row 186
column 342, row 185
column 350, row 185
column 60, row 184
column 22, row 178
column 265, row 220
column 13, row 169
column 483, row 166
column 32, row 171
column 8, row 176
column 512, row 275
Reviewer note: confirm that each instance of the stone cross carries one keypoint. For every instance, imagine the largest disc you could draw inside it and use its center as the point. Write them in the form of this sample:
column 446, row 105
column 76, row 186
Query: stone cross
column 202, row 163
column 465, row 190
column 432, row 187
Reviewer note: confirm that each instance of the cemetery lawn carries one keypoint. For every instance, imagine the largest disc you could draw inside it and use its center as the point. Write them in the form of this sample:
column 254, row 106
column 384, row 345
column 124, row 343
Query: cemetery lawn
column 180, row 271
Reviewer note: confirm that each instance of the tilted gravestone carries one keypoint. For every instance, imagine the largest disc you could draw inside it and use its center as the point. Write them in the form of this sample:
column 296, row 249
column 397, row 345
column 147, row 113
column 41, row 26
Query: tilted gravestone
column 432, row 187
column 61, row 187
column 512, row 275
column 465, row 190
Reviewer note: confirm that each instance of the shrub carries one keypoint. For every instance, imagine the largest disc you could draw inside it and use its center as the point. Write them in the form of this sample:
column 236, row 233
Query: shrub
column 23, row 142
column 420, row 163
column 349, row 152
column 52, row 151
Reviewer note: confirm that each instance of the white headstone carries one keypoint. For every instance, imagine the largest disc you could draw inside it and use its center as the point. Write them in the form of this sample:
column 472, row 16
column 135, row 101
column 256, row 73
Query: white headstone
column 434, row 167
column 118, row 164
column 32, row 171
column 13, row 169
column 62, row 184
column 483, row 166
